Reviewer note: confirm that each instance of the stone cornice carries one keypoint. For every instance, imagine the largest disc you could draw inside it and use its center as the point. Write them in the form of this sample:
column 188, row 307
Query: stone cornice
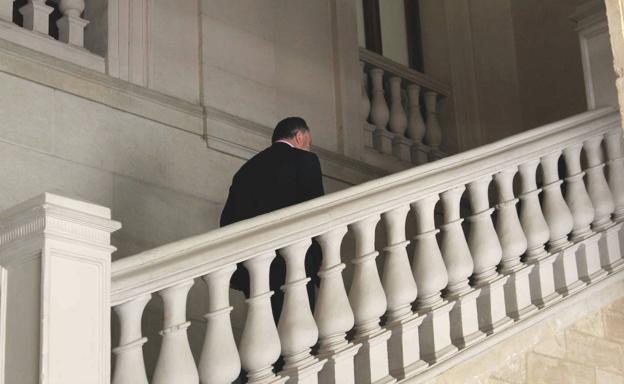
column 53, row 215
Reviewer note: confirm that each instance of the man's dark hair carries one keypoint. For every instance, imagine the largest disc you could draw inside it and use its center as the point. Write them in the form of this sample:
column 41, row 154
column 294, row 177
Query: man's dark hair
column 288, row 128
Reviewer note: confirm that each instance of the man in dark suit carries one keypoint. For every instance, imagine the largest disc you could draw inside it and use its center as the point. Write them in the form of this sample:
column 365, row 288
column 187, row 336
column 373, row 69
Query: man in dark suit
column 284, row 174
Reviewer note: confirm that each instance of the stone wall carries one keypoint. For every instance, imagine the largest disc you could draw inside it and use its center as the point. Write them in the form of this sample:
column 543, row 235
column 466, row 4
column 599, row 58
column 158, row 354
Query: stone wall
column 582, row 344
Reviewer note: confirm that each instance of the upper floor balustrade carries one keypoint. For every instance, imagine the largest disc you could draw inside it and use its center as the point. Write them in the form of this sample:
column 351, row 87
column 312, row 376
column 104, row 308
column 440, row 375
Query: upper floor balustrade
column 423, row 289
column 399, row 108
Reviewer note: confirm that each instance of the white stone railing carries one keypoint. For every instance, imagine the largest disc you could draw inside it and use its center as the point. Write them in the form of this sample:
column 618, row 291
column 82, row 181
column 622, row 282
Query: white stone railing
column 391, row 109
column 35, row 31
column 457, row 289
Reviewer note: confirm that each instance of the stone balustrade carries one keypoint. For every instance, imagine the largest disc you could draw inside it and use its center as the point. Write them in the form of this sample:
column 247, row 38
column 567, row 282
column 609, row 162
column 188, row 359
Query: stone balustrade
column 400, row 109
column 463, row 286
column 36, row 17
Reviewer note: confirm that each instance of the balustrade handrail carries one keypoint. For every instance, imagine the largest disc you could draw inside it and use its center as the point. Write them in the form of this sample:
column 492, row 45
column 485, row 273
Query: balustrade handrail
column 170, row 264
column 404, row 72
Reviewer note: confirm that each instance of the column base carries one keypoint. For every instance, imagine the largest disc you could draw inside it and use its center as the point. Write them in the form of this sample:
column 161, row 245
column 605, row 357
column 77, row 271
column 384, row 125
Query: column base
column 401, row 148
column 588, row 260
column 566, row 273
column 435, row 335
column 403, row 348
column 268, row 378
column 610, row 252
column 382, row 140
column 542, row 282
column 491, row 306
column 464, row 319
column 371, row 361
column 339, row 365
column 306, row 372
column 517, row 293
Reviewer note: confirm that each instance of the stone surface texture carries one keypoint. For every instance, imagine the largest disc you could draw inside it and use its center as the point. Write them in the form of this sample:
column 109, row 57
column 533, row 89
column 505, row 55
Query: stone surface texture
column 582, row 345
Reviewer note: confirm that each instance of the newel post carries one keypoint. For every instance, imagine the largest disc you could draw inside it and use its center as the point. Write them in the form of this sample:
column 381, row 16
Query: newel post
column 56, row 255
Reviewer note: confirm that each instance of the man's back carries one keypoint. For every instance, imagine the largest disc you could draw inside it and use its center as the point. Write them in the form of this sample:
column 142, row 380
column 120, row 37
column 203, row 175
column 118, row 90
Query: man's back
column 278, row 177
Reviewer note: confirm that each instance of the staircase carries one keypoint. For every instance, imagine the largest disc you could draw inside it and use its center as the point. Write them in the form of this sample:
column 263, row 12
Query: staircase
column 431, row 284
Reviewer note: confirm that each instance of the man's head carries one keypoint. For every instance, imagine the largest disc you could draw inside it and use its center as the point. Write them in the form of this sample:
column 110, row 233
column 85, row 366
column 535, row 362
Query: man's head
column 295, row 131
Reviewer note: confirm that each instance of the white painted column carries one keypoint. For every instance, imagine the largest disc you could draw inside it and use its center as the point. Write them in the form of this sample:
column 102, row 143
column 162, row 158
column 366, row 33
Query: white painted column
column 296, row 327
column 368, row 301
column 560, row 223
column 380, row 114
column 431, row 278
column 537, row 233
column 36, row 16
column 400, row 288
column 513, row 244
column 129, row 363
column 486, row 253
column 71, row 26
column 6, row 10
column 175, row 361
column 433, row 135
column 333, row 314
column 259, row 346
column 459, row 265
column 57, row 254
column 604, row 206
column 577, row 198
column 219, row 362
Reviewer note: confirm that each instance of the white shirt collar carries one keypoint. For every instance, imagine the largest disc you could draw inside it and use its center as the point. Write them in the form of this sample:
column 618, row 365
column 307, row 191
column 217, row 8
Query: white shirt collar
column 285, row 142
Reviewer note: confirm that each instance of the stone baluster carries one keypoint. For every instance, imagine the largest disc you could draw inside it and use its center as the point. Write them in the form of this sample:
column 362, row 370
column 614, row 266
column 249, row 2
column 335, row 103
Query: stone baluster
column 129, row 364
column 219, row 361
column 260, row 344
column 333, row 313
column 296, row 327
column 537, row 233
column 577, row 199
column 6, row 10
column 597, row 186
column 615, row 170
column 175, row 361
column 400, row 289
column 366, row 103
column 398, row 118
column 36, row 16
column 416, row 125
column 431, row 278
column 401, row 145
column 513, row 244
column 459, row 265
column 433, row 135
column 71, row 26
column 560, row 223
column 380, row 114
column 604, row 206
column 486, row 253
column 556, row 211
column 368, row 301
